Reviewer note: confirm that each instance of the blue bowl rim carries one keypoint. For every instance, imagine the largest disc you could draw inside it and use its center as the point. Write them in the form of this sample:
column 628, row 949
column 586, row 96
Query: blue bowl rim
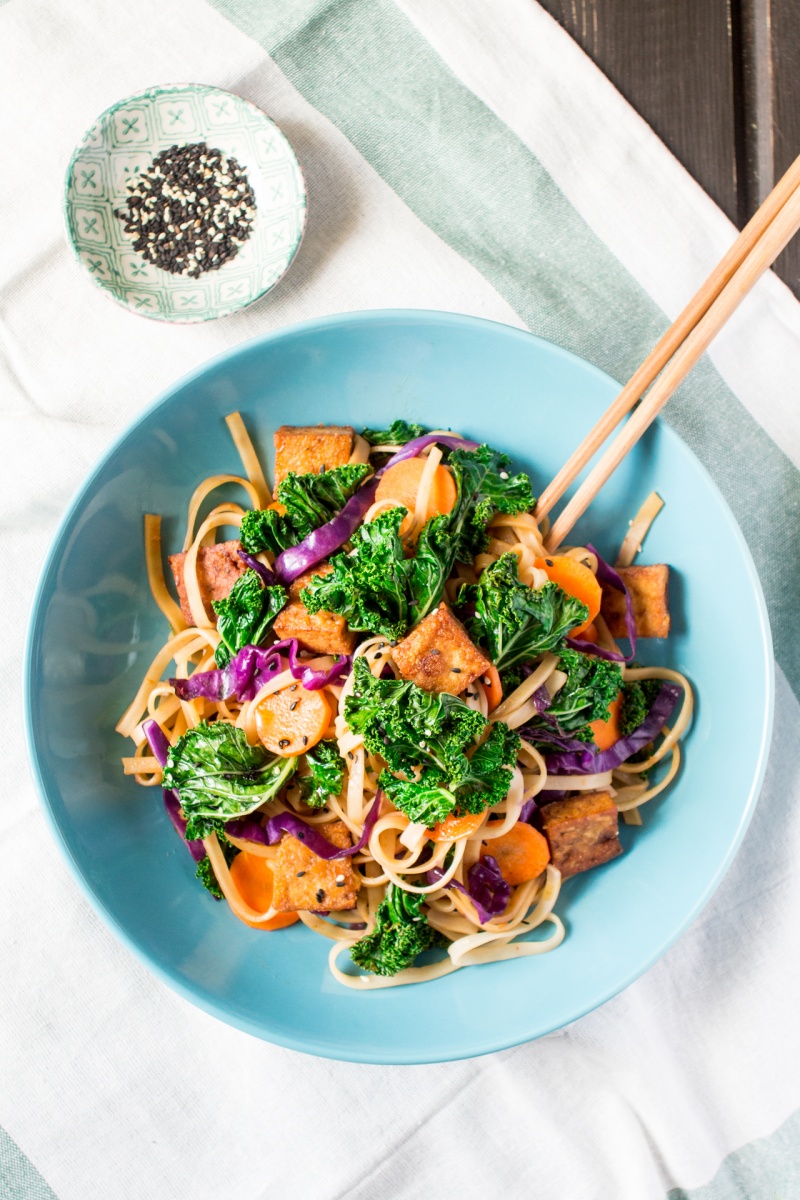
column 310, row 1045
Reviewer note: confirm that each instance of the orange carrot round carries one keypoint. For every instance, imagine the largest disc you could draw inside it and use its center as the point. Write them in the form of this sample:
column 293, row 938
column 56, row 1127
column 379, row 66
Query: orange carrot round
column 522, row 853
column 401, row 482
column 455, row 827
column 252, row 875
column 577, row 580
column 494, row 688
column 606, row 733
column 291, row 721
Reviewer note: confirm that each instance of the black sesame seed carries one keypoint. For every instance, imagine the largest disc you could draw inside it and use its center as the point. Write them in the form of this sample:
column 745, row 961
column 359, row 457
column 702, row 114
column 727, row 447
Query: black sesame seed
column 305, row 740
column 283, row 743
column 293, row 705
column 320, row 895
column 456, row 670
column 548, row 562
column 340, row 881
column 300, row 874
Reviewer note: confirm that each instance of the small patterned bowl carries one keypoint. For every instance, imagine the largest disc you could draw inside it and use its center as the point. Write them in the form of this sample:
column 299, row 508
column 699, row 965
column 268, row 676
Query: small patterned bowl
column 123, row 142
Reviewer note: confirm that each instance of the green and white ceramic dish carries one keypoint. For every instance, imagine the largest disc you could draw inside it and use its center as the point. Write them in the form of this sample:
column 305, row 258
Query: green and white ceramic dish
column 123, row 142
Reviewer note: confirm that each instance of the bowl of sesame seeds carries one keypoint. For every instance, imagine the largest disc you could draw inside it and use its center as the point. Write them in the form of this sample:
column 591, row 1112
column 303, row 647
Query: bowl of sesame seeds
column 185, row 203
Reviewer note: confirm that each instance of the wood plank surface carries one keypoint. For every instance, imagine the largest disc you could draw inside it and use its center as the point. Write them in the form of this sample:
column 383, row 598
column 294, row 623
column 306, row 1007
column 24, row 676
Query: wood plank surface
column 718, row 81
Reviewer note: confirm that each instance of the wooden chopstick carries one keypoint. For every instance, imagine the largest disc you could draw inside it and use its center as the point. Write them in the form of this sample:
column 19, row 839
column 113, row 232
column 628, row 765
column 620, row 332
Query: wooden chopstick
column 674, row 337
column 776, row 225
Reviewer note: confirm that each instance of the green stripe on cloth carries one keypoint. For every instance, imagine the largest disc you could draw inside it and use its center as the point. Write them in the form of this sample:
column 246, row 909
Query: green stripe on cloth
column 768, row 1169
column 471, row 180
column 19, row 1179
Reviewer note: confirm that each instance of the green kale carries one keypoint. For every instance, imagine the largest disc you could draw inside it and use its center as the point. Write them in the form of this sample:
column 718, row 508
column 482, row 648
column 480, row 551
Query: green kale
column 637, row 698
column 368, row 585
column 425, row 736
column 218, row 775
column 401, row 933
column 310, row 502
column 205, row 871
column 327, row 774
column 510, row 679
column 515, row 622
column 246, row 615
column 483, row 487
column 591, row 685
column 398, row 433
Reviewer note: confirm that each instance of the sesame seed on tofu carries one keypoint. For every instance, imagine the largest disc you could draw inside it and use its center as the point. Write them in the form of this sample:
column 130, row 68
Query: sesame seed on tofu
column 301, row 875
column 439, row 656
column 309, row 449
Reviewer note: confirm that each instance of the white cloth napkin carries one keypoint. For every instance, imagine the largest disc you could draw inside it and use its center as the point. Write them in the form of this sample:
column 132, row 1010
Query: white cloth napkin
column 579, row 225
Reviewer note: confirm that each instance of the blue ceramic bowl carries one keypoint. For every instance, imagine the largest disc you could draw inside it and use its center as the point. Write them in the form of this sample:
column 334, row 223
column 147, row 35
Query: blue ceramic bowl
column 94, row 628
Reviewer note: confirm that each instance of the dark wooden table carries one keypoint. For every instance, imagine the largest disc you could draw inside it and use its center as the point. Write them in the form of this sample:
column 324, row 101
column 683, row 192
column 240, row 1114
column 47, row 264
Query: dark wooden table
column 718, row 81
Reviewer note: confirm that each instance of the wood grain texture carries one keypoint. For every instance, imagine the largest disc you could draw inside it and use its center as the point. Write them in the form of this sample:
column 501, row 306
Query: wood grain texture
column 785, row 71
column 672, row 60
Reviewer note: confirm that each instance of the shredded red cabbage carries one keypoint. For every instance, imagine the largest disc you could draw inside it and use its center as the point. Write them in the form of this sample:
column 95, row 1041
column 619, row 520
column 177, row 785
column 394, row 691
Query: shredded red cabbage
column 552, row 736
column 252, row 667
column 266, row 575
column 250, row 829
column 487, row 889
column 160, row 746
column 320, row 544
column 585, row 761
column 527, row 811
column 541, row 699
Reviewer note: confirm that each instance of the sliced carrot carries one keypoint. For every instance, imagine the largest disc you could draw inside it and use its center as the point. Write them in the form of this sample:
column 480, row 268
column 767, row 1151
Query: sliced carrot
column 278, row 507
column 401, row 482
column 606, row 733
column 253, row 877
column 522, row 853
column 455, row 827
column 494, row 688
column 292, row 720
column 578, row 581
column 590, row 633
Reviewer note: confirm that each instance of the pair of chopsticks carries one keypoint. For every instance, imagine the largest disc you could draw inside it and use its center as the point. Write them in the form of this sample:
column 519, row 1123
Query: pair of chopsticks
column 671, row 360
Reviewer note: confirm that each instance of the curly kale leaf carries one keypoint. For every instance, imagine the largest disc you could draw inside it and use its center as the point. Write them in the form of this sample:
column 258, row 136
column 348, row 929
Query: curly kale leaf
column 401, row 933
column 218, row 775
column 591, row 685
column 398, row 433
column 424, row 736
column 205, row 871
column 483, row 487
column 368, row 585
column 246, row 615
column 513, row 621
column 326, row 777
column 637, row 698
column 310, row 501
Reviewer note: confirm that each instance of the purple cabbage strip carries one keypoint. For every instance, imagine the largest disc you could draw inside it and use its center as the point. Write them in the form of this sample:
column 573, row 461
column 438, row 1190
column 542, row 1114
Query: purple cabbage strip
column 487, row 889
column 591, row 762
column 548, row 795
column 611, row 578
column 250, row 829
column 541, row 699
column 527, row 811
column 251, row 667
column 598, row 651
column 267, row 576
column 551, row 735
column 320, row 544
column 160, row 746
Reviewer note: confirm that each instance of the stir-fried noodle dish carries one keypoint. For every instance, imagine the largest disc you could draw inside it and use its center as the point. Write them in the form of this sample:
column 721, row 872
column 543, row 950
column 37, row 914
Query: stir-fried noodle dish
column 384, row 709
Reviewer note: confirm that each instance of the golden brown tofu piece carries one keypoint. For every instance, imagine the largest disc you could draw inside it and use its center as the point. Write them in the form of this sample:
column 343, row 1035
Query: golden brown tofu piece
column 218, row 568
column 439, row 656
column 648, row 587
column 309, row 449
column 582, row 832
column 322, row 632
column 304, row 882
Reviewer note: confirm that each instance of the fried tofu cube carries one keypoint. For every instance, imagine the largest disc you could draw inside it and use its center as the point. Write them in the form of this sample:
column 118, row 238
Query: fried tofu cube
column 218, row 568
column 309, row 449
column 439, row 656
column 322, row 632
column 582, row 832
column 304, row 882
column 648, row 587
